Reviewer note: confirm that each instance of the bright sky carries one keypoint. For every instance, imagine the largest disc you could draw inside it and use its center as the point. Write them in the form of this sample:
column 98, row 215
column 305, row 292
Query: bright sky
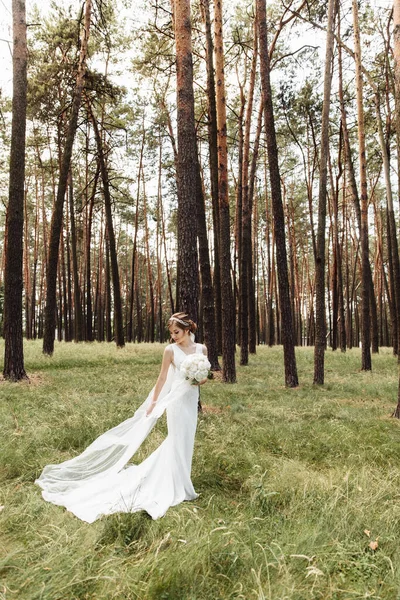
column 6, row 34
column 5, row 46
column 44, row 6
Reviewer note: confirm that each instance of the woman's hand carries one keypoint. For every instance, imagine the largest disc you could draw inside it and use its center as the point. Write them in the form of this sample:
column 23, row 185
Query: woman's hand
column 203, row 381
column 150, row 408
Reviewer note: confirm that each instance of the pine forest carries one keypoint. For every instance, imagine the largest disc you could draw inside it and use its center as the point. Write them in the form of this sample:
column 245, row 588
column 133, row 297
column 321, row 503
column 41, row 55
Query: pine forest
column 238, row 161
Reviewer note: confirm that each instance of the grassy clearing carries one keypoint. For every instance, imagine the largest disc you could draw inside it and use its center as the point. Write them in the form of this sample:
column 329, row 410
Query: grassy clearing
column 294, row 484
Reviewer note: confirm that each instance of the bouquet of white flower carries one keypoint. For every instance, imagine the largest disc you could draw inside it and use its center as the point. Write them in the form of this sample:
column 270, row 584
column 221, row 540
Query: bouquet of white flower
column 195, row 368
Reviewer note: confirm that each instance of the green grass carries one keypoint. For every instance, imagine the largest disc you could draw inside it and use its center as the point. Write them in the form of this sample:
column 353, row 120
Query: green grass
column 294, row 484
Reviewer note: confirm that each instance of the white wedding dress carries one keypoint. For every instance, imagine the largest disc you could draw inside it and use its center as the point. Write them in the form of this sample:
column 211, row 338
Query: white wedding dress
column 98, row 482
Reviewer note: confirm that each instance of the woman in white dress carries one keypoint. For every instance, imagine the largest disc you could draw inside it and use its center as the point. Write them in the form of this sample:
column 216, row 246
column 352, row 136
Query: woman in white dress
column 98, row 482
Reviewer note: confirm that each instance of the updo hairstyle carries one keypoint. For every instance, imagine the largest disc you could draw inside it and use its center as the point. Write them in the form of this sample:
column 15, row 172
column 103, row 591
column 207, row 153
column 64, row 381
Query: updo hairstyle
column 181, row 320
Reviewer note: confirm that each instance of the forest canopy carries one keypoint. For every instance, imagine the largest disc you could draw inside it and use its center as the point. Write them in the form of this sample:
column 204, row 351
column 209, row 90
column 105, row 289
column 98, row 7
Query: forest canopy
column 121, row 226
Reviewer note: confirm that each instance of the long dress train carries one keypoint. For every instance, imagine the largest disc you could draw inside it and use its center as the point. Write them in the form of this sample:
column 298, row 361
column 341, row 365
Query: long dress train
column 98, row 482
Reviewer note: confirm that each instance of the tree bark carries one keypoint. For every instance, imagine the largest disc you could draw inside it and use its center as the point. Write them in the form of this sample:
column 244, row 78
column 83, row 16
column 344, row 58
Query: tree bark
column 392, row 229
column 247, row 205
column 99, row 300
column 167, row 267
column 65, row 306
column 78, row 317
column 239, row 278
column 150, row 285
column 251, row 291
column 159, row 240
column 118, row 320
column 188, row 268
column 228, row 316
column 32, row 301
column 14, row 368
column 107, row 290
column 291, row 379
column 130, row 326
column 56, row 221
column 213, row 146
column 356, row 204
column 26, row 268
column 89, row 309
column 207, row 293
column 365, row 324
column 320, row 325
column 396, row 55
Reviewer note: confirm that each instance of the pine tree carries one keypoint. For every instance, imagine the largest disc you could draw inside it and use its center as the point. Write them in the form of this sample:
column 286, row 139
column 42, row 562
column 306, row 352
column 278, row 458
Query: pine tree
column 13, row 352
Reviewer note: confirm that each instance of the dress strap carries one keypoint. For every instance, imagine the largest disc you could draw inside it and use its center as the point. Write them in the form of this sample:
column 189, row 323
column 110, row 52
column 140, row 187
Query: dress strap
column 173, row 346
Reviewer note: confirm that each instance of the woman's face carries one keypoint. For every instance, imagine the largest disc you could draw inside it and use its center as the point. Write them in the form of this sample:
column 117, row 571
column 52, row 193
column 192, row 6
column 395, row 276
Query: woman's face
column 177, row 334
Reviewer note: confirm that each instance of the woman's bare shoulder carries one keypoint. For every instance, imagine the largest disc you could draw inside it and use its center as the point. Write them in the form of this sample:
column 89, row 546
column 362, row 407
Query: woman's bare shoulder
column 168, row 356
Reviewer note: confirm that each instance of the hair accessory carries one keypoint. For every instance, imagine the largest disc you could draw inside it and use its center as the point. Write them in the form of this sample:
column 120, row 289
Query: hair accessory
column 180, row 321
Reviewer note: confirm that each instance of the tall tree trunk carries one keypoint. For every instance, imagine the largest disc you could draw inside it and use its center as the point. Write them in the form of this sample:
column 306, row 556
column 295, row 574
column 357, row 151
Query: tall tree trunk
column 161, row 327
column 340, row 245
column 392, row 229
column 78, row 318
column 64, row 295
column 164, row 237
column 291, row 379
column 207, row 294
column 213, row 146
column 320, row 326
column 99, row 304
column 228, row 316
column 70, row 322
column 336, row 264
column 59, row 314
column 294, row 269
column 14, row 368
column 89, row 310
column 356, row 203
column 396, row 55
column 32, row 301
column 391, row 290
column 26, row 267
column 167, row 266
column 119, row 326
column 252, row 178
column 107, row 290
column 139, row 329
column 270, row 245
column 365, row 324
column 239, row 282
column 56, row 221
column 130, row 328
column 150, row 285
column 342, row 321
column 188, row 292
column 246, row 254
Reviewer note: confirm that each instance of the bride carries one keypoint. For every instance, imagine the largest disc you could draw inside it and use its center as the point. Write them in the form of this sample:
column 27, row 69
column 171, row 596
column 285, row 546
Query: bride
column 98, row 482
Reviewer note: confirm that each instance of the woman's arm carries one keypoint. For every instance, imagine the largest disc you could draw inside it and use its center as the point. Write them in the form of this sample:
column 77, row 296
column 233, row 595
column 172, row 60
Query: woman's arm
column 166, row 361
